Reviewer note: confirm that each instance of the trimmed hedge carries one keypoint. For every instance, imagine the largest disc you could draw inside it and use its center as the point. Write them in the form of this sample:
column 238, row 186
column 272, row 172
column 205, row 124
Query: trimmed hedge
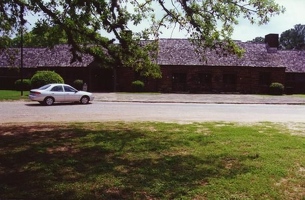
column 276, row 89
column 26, row 84
column 137, row 86
column 41, row 78
column 78, row 84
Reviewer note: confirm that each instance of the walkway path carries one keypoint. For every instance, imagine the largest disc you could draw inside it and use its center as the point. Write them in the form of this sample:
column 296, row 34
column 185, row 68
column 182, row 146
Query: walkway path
column 200, row 98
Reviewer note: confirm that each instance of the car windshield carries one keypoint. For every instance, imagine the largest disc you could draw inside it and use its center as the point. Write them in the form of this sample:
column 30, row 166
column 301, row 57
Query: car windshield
column 44, row 87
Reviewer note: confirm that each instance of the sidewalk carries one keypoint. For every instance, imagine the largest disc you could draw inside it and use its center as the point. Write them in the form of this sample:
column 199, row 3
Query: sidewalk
column 199, row 98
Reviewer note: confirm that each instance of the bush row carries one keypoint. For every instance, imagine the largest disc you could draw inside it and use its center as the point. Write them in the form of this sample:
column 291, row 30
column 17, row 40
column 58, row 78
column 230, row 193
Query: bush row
column 41, row 78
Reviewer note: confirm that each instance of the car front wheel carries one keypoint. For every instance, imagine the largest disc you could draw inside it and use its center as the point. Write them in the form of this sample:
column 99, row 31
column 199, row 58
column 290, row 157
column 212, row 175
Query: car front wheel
column 84, row 100
column 48, row 101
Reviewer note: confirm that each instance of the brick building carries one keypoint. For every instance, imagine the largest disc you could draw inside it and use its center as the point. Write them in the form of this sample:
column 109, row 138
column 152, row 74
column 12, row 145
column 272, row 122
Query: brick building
column 183, row 70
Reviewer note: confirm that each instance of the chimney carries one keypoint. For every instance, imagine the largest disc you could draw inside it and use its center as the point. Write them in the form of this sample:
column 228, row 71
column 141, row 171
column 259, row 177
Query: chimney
column 272, row 42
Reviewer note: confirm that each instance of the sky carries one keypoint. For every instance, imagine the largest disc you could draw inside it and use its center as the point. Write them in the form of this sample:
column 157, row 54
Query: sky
column 295, row 14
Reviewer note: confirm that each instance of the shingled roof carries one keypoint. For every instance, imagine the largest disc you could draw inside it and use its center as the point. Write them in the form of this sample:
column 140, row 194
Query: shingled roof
column 182, row 52
column 171, row 52
column 59, row 56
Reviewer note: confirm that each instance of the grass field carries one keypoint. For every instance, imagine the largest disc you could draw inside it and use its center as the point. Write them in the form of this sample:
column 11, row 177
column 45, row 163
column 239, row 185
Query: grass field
column 119, row 160
column 12, row 95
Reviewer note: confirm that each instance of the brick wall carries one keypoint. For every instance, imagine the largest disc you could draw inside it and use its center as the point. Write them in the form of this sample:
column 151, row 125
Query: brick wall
column 213, row 79
column 182, row 79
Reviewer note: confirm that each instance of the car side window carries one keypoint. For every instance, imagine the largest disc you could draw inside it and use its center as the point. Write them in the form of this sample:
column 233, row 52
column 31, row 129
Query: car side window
column 57, row 88
column 69, row 89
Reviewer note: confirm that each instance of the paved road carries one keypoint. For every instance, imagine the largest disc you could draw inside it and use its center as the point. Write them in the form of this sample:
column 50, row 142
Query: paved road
column 133, row 111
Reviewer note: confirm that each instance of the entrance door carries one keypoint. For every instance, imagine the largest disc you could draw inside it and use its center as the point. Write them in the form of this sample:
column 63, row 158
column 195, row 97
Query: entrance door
column 229, row 82
column 179, row 82
column 101, row 80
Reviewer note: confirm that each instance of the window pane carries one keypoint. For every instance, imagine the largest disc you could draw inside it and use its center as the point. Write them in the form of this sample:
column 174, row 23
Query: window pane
column 69, row 89
column 57, row 88
column 205, row 78
column 229, row 79
column 265, row 78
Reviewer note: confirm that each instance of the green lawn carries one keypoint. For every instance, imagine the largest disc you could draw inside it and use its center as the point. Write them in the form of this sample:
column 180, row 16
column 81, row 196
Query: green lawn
column 119, row 160
column 12, row 95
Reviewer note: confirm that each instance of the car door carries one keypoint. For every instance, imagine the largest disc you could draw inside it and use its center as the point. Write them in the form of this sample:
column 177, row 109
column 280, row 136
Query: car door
column 58, row 93
column 71, row 94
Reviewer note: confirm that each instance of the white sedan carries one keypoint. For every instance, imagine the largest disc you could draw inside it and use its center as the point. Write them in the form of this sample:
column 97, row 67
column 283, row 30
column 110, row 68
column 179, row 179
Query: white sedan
column 48, row 94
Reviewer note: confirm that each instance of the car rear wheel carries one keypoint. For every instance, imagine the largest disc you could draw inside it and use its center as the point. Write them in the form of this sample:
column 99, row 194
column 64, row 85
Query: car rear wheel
column 84, row 100
column 48, row 101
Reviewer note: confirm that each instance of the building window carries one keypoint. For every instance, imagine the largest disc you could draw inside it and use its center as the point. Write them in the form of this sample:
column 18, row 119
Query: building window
column 265, row 78
column 290, row 77
column 179, row 78
column 205, row 79
column 229, row 79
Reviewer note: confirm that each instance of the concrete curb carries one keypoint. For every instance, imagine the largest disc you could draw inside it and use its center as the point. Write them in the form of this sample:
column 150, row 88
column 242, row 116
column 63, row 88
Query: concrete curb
column 194, row 102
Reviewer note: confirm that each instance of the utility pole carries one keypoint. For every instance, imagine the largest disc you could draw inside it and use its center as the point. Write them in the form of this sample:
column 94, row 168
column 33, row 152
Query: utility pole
column 21, row 59
column 22, row 22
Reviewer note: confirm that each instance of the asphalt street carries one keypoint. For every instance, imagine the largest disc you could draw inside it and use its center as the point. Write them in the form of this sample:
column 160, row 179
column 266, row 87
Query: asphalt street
column 97, row 111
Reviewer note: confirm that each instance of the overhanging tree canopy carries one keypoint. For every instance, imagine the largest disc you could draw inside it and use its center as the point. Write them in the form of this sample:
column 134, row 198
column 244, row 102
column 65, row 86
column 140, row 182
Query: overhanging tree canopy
column 209, row 23
column 41, row 35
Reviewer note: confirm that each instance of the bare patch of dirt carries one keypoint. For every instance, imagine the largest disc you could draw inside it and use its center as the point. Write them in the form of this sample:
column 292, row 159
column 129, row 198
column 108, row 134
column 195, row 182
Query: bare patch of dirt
column 296, row 128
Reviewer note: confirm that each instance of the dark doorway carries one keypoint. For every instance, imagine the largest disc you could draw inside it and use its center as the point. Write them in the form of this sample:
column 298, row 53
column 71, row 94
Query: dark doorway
column 205, row 81
column 101, row 80
column 179, row 82
column 229, row 82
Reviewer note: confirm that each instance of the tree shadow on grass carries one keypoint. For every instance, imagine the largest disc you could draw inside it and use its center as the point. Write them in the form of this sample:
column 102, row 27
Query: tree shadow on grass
column 46, row 162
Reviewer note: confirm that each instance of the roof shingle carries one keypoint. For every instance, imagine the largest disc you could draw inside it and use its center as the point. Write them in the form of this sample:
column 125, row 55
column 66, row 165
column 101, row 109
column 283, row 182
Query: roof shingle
column 171, row 52
column 59, row 56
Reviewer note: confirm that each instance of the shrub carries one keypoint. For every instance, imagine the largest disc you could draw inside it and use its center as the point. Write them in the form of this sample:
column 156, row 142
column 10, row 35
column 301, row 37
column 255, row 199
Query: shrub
column 137, row 86
column 276, row 89
column 26, row 84
column 78, row 84
column 41, row 78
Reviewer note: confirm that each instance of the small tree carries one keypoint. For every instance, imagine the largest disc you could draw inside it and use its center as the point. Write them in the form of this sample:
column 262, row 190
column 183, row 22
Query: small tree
column 41, row 78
